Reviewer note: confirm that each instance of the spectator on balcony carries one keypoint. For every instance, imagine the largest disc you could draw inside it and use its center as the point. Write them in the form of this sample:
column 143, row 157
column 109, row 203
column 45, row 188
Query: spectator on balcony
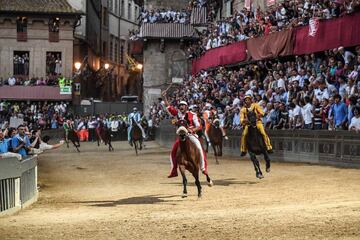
column 355, row 120
column 12, row 81
column 307, row 113
column 339, row 112
column 5, row 145
column 20, row 142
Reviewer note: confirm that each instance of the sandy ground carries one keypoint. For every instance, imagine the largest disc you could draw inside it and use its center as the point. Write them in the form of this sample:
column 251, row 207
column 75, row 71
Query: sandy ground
column 102, row 195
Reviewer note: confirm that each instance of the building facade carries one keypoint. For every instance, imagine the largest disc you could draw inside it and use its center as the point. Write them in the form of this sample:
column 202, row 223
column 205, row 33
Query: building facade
column 103, row 38
column 36, row 41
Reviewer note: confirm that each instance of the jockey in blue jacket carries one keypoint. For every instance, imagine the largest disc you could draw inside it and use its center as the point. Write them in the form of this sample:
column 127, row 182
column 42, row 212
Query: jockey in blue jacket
column 134, row 116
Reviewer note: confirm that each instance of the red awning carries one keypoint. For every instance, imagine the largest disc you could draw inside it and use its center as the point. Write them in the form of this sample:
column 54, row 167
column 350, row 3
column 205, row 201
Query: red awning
column 33, row 93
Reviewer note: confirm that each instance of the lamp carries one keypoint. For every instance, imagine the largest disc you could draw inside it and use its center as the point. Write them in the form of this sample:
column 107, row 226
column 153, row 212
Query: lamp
column 106, row 66
column 77, row 65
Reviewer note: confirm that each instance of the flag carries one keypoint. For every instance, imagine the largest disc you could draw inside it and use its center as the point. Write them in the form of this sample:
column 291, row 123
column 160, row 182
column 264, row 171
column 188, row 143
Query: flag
column 313, row 26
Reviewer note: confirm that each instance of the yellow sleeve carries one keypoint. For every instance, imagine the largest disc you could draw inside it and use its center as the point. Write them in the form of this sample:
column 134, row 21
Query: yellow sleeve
column 242, row 115
column 258, row 109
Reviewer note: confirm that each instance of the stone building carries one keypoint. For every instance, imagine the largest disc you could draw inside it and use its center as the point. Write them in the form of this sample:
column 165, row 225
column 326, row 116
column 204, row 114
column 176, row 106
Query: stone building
column 34, row 31
column 103, row 37
column 164, row 57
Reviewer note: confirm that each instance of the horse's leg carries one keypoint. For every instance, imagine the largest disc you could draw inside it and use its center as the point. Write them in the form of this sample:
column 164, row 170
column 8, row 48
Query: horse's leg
column 256, row 166
column 207, row 145
column 97, row 139
column 215, row 152
column 76, row 146
column 197, row 182
column 267, row 161
column 140, row 142
column 135, row 145
column 208, row 179
column 182, row 171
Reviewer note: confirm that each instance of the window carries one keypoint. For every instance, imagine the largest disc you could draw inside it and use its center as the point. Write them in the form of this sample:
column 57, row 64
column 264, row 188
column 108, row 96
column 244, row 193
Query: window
column 21, row 28
column 111, row 50
column 53, row 63
column 116, row 53
column 54, row 26
column 122, row 8
column 122, row 52
column 129, row 11
column 21, row 63
column 104, row 49
column 111, row 5
column 104, row 16
column 116, row 10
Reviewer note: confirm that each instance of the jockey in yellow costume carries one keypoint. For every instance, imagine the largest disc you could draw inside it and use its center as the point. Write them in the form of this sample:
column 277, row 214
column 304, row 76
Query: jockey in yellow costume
column 250, row 106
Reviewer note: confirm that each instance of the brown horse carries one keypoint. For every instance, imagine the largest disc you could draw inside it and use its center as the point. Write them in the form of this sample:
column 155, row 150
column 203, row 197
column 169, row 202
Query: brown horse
column 136, row 136
column 188, row 157
column 73, row 137
column 104, row 134
column 256, row 145
column 216, row 139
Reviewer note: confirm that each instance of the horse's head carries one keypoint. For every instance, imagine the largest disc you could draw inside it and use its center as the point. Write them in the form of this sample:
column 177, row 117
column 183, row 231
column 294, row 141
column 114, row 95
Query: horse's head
column 182, row 131
column 216, row 123
column 251, row 118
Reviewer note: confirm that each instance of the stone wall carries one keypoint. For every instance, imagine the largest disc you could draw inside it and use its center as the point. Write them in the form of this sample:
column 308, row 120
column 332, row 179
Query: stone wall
column 159, row 68
column 335, row 148
column 37, row 45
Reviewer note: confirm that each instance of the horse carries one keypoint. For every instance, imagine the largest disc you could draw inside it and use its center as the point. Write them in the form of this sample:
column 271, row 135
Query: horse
column 216, row 139
column 188, row 158
column 136, row 136
column 103, row 133
column 256, row 145
column 73, row 137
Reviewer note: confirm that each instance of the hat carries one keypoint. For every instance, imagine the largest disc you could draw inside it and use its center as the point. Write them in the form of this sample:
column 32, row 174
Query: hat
column 183, row 103
column 208, row 105
column 248, row 96
column 135, row 109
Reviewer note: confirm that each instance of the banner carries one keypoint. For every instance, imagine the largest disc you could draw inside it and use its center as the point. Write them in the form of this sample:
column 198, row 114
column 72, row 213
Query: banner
column 229, row 54
column 343, row 31
column 270, row 46
column 65, row 90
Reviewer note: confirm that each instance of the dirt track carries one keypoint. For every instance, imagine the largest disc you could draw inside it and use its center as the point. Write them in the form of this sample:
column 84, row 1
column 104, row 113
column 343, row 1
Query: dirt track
column 101, row 195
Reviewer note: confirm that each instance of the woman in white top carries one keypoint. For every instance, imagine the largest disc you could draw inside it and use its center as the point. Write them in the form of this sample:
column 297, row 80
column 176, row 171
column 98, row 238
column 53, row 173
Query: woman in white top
column 355, row 121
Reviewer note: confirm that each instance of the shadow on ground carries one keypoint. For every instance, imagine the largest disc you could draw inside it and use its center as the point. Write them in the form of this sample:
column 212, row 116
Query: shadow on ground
column 219, row 182
column 149, row 199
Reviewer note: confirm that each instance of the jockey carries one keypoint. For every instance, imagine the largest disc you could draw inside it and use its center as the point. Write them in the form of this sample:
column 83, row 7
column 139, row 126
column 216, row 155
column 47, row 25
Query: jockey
column 134, row 116
column 68, row 124
column 193, row 126
column 249, row 106
column 209, row 116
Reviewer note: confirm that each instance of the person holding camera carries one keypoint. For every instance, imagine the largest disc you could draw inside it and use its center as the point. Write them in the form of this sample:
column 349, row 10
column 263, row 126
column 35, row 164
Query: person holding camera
column 20, row 142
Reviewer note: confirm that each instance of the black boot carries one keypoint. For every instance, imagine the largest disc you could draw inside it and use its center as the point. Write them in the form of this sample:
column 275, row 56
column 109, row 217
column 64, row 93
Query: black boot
column 243, row 154
column 270, row 151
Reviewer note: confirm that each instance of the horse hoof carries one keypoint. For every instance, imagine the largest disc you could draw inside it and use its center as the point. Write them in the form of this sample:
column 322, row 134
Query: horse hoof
column 217, row 163
column 184, row 195
column 211, row 183
column 259, row 176
column 199, row 197
column 267, row 170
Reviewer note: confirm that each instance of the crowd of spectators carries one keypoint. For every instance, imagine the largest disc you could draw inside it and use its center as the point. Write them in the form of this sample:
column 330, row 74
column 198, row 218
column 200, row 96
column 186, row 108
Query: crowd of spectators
column 50, row 80
column 34, row 115
column 317, row 91
column 165, row 16
column 254, row 23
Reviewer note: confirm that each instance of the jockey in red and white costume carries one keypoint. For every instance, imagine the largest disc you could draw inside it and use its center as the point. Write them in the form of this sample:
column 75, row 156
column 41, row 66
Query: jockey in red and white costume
column 193, row 126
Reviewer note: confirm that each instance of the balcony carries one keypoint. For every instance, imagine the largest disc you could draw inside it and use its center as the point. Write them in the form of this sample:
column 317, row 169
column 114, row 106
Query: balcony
column 22, row 36
column 33, row 93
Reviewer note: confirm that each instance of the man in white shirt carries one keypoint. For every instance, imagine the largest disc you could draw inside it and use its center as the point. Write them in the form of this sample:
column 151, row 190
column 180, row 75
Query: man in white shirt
column 321, row 92
column 307, row 113
column 12, row 81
